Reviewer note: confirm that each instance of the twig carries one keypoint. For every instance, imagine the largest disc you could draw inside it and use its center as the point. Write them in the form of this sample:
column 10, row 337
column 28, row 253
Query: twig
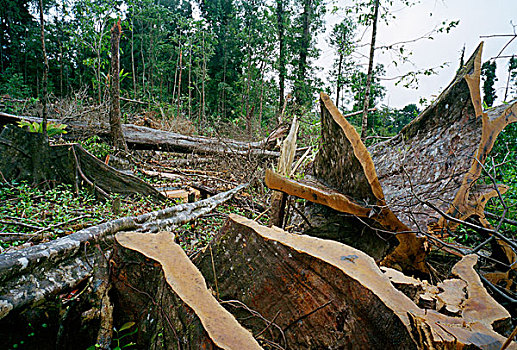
column 307, row 314
column 497, row 290
column 62, row 223
column 20, row 224
column 466, row 223
column 302, row 215
column 133, row 101
column 496, row 217
column 159, row 307
column 505, row 208
column 482, row 244
column 509, row 339
column 6, row 182
column 256, row 314
column 261, row 214
column 269, row 324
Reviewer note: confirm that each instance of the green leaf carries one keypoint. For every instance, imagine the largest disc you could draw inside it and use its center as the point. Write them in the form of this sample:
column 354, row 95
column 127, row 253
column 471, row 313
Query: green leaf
column 126, row 325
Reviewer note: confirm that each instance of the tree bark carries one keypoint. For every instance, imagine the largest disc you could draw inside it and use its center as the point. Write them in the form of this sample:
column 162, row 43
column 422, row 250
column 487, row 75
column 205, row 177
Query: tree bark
column 338, row 87
column 364, row 126
column 115, row 124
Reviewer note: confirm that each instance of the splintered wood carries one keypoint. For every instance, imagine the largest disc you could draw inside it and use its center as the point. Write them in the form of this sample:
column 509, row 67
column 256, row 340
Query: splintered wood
column 430, row 168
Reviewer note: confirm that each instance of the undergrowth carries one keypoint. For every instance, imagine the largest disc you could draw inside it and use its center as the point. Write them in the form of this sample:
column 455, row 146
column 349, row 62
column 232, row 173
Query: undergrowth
column 26, row 210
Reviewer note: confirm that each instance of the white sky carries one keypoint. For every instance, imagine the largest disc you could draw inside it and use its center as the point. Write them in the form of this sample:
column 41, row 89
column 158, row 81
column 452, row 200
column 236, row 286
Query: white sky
column 477, row 17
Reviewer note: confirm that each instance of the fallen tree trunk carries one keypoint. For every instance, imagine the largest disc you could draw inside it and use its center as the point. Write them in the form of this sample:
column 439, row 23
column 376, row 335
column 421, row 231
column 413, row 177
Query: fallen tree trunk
column 294, row 291
column 141, row 137
column 37, row 275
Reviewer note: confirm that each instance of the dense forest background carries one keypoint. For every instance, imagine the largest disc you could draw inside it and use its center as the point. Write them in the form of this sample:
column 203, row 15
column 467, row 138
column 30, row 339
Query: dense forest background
column 211, row 62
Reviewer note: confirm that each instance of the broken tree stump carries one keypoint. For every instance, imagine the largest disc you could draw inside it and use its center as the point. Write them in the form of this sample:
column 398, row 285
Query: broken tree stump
column 69, row 163
column 411, row 180
column 167, row 297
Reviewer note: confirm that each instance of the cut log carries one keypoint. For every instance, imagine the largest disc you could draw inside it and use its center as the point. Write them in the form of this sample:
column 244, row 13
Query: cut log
column 323, row 294
column 140, row 137
column 207, row 325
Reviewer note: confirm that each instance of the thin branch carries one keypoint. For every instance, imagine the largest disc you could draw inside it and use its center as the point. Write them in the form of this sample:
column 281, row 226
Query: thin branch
column 307, row 315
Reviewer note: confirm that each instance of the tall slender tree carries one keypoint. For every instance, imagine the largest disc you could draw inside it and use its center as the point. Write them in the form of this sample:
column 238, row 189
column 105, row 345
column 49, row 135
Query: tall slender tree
column 308, row 24
column 364, row 124
column 115, row 123
column 281, row 19
column 342, row 40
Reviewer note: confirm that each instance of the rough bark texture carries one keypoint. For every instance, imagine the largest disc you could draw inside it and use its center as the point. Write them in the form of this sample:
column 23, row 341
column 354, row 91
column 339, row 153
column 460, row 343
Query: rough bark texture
column 324, row 294
column 115, row 124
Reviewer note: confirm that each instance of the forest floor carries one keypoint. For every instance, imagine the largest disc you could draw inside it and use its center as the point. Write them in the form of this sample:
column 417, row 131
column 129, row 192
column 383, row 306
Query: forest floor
column 33, row 214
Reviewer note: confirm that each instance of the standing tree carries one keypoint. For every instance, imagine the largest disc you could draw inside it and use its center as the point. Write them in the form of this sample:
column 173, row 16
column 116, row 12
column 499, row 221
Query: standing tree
column 342, row 39
column 45, row 74
column 309, row 23
column 115, row 123
column 512, row 74
column 489, row 78
column 364, row 126
column 281, row 23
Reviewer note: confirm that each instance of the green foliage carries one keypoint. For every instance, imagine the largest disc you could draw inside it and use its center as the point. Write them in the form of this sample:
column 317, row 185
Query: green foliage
column 13, row 85
column 489, row 78
column 97, row 147
column 120, row 334
column 512, row 75
column 53, row 129
column 502, row 165
column 21, row 204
